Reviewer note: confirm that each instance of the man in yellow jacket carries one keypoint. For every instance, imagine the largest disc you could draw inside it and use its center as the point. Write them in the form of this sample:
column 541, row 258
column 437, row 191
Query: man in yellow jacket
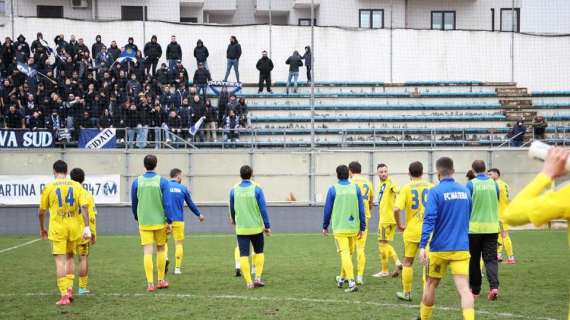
column 533, row 205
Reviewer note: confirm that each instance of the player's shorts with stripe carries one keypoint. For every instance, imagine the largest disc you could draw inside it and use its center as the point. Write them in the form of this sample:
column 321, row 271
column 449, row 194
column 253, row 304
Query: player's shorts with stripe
column 457, row 261
column 386, row 231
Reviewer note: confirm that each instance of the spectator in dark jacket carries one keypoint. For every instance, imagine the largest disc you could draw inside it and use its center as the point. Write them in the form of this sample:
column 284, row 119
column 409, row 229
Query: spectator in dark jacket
column 308, row 57
column 201, row 78
column 152, row 53
column 14, row 119
column 131, row 45
column 24, row 46
column 173, row 53
column 231, row 127
column 106, row 120
column 198, row 111
column 97, row 46
column 517, row 134
column 39, row 42
column 223, row 100
column 162, row 74
column 211, row 121
column 539, row 127
column 233, row 54
column 114, row 51
column 174, row 125
column 201, row 54
column 294, row 63
column 103, row 58
column 265, row 66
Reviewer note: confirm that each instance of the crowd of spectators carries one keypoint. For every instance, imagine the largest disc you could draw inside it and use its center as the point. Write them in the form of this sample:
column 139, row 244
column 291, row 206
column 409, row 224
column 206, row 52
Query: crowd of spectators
column 74, row 87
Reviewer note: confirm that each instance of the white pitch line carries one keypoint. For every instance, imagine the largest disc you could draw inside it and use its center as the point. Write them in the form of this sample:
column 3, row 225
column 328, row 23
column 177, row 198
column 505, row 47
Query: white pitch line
column 292, row 299
column 20, row 245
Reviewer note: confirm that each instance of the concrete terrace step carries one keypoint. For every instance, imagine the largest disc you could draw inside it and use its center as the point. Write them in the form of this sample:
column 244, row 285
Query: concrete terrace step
column 399, row 118
column 402, row 107
column 366, row 95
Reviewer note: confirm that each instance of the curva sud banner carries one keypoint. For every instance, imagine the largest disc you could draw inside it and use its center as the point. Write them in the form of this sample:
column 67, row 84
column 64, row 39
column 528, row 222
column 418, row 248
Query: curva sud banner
column 27, row 189
column 22, row 138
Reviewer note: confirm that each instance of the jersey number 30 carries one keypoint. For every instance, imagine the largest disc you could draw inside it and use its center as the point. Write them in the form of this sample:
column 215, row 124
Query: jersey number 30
column 68, row 198
column 416, row 199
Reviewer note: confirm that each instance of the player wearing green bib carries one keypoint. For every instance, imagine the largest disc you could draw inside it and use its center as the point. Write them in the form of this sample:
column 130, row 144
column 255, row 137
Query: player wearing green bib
column 483, row 230
column 249, row 216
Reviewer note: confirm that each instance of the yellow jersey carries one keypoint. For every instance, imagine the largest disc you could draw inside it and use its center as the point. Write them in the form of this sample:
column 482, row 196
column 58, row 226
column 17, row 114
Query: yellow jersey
column 387, row 192
column 366, row 190
column 503, row 197
column 533, row 205
column 64, row 198
column 413, row 199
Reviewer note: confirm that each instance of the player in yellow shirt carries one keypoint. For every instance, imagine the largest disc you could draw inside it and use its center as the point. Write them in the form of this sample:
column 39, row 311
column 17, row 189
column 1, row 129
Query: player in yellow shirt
column 83, row 247
column 66, row 200
column 412, row 199
column 366, row 190
column 534, row 205
column 387, row 193
column 504, row 237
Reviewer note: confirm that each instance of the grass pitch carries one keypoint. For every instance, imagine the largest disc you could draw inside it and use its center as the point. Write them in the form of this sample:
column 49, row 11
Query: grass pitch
column 299, row 276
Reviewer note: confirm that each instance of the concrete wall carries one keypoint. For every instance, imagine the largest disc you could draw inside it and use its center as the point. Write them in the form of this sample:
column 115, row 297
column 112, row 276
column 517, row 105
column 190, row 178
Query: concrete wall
column 210, row 175
column 538, row 62
column 119, row 220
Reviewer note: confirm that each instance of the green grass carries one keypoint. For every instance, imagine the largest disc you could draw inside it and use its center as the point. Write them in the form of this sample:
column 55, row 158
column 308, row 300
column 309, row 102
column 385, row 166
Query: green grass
column 299, row 274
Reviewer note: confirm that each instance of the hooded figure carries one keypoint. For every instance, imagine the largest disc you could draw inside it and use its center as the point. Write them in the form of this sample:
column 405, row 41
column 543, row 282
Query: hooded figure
column 152, row 52
column 201, row 54
column 97, row 46
column 24, row 46
column 517, row 133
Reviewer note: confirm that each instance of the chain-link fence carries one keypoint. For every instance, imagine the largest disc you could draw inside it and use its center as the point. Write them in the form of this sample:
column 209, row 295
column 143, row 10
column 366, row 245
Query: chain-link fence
column 405, row 66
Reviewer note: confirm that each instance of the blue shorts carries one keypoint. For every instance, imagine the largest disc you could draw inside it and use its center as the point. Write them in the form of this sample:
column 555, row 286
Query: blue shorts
column 256, row 241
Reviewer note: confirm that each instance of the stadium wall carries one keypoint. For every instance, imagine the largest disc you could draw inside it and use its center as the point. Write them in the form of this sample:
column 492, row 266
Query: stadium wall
column 210, row 175
column 282, row 174
column 399, row 55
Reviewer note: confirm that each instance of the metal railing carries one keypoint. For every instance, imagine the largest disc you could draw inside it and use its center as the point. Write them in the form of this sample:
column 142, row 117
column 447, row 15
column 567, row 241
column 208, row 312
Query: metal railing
column 254, row 138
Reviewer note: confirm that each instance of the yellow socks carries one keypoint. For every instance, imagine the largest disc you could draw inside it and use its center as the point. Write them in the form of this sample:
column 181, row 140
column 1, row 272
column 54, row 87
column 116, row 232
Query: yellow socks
column 425, row 312
column 361, row 262
column 148, row 268
column 392, row 254
column 179, row 252
column 237, row 257
column 469, row 314
column 160, row 263
column 70, row 278
column 407, row 278
column 508, row 246
column 347, row 267
column 258, row 262
column 62, row 285
column 83, row 282
column 383, row 256
column 245, row 271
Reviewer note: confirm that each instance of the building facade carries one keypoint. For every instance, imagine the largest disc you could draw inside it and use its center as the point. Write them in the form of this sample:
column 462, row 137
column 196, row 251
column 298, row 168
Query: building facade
column 491, row 15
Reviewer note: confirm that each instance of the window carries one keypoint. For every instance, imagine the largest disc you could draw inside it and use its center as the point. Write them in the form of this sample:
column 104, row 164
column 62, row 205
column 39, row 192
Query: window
column 510, row 19
column 492, row 19
column 2, row 8
column 50, row 11
column 307, row 22
column 443, row 20
column 189, row 19
column 133, row 13
column 371, row 18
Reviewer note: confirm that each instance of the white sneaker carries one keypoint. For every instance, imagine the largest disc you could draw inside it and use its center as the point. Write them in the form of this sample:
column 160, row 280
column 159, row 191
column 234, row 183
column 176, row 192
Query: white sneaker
column 381, row 275
column 359, row 280
column 177, row 271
